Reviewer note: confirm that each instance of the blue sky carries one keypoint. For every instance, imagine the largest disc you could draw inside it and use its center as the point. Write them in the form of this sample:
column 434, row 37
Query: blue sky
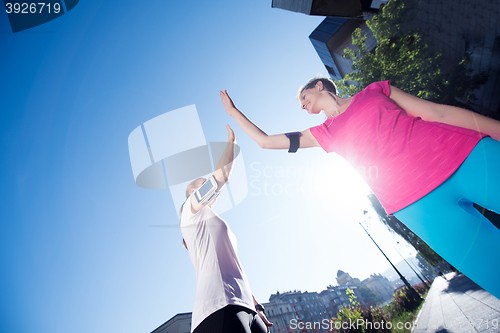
column 83, row 248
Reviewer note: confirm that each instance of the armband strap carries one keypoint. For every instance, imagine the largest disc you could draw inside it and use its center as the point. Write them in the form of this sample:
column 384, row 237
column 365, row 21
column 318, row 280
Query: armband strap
column 294, row 141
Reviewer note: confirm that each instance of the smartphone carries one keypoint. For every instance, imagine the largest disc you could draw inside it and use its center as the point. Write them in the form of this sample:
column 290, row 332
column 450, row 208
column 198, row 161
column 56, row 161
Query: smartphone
column 207, row 191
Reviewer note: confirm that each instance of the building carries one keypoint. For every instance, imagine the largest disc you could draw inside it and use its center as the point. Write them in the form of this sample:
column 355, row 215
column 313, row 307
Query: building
column 461, row 26
column 380, row 285
column 180, row 323
column 335, row 297
column 341, row 8
column 289, row 308
column 306, row 306
column 457, row 27
column 280, row 313
column 331, row 37
column 344, row 279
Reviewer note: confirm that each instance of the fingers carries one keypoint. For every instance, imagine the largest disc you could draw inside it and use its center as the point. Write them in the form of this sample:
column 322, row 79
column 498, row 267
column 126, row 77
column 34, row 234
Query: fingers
column 227, row 102
column 230, row 133
column 225, row 98
column 224, row 94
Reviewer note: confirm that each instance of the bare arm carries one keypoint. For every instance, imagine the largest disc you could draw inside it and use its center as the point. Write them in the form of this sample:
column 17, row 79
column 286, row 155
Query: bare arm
column 278, row 141
column 222, row 170
column 446, row 114
column 195, row 206
column 225, row 165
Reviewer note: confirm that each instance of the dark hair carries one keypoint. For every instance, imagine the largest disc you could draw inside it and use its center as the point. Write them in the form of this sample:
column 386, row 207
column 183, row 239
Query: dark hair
column 328, row 84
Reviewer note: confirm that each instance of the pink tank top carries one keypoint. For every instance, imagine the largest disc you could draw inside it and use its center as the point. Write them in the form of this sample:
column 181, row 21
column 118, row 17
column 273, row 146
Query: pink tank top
column 401, row 157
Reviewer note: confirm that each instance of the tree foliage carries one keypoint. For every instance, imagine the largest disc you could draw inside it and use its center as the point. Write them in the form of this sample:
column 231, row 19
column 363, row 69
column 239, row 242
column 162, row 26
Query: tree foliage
column 369, row 296
column 403, row 58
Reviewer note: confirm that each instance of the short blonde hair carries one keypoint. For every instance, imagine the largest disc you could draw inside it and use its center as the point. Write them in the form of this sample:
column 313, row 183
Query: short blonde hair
column 328, row 84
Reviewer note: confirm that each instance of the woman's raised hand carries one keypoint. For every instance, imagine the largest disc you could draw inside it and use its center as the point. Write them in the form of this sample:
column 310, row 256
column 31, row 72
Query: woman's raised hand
column 228, row 102
column 230, row 134
column 264, row 319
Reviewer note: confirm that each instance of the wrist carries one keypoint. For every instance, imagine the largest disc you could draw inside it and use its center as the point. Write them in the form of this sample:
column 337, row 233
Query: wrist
column 233, row 111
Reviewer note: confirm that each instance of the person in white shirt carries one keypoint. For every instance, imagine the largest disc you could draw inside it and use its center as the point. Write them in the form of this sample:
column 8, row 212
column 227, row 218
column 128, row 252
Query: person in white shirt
column 224, row 301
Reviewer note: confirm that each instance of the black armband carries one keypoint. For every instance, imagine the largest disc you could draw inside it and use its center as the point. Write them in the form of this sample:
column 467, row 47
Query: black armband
column 259, row 307
column 294, row 141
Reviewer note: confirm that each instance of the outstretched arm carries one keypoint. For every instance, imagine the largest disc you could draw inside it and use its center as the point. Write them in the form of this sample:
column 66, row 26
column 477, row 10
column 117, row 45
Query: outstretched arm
column 222, row 170
column 446, row 114
column 278, row 141
column 225, row 165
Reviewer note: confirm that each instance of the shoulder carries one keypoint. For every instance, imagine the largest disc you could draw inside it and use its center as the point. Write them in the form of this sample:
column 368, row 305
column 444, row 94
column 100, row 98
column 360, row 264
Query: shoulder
column 377, row 87
column 189, row 210
column 415, row 106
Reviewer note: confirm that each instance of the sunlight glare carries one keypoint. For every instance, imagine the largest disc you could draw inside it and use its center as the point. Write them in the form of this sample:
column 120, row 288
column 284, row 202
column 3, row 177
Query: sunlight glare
column 339, row 187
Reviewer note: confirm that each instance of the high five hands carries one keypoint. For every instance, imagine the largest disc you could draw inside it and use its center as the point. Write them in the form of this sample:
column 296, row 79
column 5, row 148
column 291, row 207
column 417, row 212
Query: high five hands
column 230, row 134
column 228, row 102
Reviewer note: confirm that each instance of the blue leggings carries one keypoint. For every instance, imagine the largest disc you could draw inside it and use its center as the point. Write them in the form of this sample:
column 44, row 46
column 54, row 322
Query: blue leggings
column 447, row 221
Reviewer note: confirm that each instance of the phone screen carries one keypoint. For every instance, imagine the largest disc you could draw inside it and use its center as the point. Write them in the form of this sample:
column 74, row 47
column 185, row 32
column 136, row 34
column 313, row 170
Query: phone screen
column 205, row 188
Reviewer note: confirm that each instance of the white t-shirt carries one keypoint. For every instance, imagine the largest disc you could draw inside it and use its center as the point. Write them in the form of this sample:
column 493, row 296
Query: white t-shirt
column 220, row 279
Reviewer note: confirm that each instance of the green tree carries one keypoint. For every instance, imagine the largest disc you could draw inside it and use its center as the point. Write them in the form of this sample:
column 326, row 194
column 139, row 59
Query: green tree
column 403, row 58
column 369, row 296
column 353, row 318
column 352, row 297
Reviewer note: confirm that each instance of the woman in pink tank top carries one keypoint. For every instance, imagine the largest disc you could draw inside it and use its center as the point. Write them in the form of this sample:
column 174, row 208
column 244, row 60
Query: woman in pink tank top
column 433, row 163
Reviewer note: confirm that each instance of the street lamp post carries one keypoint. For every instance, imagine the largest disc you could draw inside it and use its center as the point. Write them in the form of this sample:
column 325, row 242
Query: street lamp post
column 423, row 274
column 425, row 284
column 408, row 285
